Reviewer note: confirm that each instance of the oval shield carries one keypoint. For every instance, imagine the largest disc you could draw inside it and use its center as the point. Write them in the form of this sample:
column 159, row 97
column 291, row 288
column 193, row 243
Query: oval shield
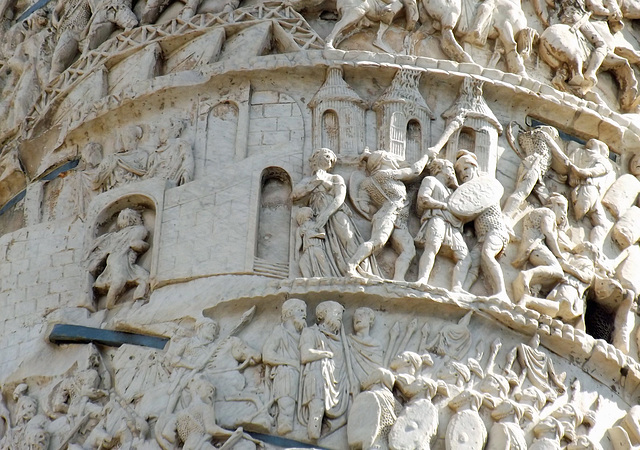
column 474, row 197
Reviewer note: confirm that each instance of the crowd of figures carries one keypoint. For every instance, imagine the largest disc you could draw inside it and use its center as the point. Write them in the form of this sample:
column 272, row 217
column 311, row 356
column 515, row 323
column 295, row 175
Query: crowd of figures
column 138, row 155
column 579, row 38
column 575, row 205
column 308, row 382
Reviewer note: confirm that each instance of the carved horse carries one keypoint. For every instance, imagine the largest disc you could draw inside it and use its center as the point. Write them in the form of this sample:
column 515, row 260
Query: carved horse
column 567, row 52
column 356, row 13
column 505, row 21
column 230, row 358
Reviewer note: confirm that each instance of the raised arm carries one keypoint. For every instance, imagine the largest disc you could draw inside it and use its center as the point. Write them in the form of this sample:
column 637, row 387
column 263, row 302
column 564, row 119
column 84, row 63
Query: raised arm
column 413, row 171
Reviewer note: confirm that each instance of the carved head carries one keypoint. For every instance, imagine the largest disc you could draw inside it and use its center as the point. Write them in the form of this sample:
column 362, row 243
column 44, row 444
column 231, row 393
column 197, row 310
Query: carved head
column 466, row 165
column 455, row 373
column 444, row 167
column 20, row 390
column 304, row 214
column 526, row 139
column 295, row 310
column 129, row 138
column 329, row 314
column 363, row 318
column 322, row 159
column 381, row 159
column 569, row 414
column 242, row 352
column 598, row 146
column 128, row 217
column 495, row 384
column 207, row 329
column 531, row 396
column 558, row 204
column 406, row 362
column 588, row 250
column 36, row 436
column 27, row 409
column 535, row 341
column 634, row 165
column 173, row 130
column 92, row 154
column 36, row 21
column 547, row 426
column 202, row 388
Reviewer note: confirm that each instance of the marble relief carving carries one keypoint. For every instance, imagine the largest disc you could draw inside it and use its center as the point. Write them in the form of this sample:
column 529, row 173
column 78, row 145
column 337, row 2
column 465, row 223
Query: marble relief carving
column 315, row 380
column 343, row 249
column 112, row 258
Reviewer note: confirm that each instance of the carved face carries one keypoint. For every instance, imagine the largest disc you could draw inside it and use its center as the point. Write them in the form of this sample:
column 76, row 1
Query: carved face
column 299, row 317
column 322, row 159
column 559, row 208
column 491, row 385
column 362, row 319
column 634, row 165
column 467, row 171
column 449, row 374
column 28, row 408
column 566, row 414
column 38, row 439
column 449, row 174
column 204, row 389
column 333, row 319
column 208, row 331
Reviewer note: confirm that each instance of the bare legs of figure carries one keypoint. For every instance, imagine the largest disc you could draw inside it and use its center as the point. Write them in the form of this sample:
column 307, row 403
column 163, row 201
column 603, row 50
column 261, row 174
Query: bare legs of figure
column 484, row 256
column 383, row 229
column 546, row 269
column 434, row 238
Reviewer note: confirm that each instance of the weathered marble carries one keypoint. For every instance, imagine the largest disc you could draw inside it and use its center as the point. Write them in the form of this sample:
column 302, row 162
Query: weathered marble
column 381, row 224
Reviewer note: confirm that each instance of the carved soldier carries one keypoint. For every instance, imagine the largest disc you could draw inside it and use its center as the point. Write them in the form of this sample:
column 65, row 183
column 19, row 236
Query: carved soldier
column 574, row 13
column 78, row 186
column 128, row 164
column 588, row 171
column 30, row 429
column 325, row 193
column 195, row 425
column 281, row 354
column 539, row 246
column 491, row 230
column 417, row 424
column 538, row 148
column 325, row 382
column 386, row 192
column 374, row 411
column 81, row 19
column 540, row 370
column 119, row 251
column 440, row 229
column 173, row 160
column 566, row 300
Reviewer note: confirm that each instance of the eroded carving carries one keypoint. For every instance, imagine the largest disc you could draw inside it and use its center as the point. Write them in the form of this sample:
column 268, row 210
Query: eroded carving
column 477, row 199
column 382, row 197
column 325, row 377
column 440, row 229
column 325, row 193
column 112, row 258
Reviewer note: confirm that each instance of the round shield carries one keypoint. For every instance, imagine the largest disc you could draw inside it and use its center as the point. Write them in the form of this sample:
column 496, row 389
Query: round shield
column 474, row 197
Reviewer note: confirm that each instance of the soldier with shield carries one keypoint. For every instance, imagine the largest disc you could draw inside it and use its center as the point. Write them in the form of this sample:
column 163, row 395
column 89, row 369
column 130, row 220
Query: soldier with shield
column 478, row 199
